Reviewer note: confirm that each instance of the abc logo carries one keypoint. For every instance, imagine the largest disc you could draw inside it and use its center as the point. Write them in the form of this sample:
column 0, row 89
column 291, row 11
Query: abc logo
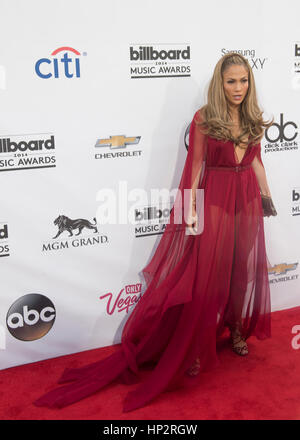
column 30, row 317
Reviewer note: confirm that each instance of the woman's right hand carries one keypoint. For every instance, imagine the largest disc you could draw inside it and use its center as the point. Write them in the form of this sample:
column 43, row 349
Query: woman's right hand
column 192, row 222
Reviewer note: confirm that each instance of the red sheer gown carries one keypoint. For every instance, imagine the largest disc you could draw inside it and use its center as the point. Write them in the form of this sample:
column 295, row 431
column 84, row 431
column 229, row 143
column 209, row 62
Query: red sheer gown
column 196, row 285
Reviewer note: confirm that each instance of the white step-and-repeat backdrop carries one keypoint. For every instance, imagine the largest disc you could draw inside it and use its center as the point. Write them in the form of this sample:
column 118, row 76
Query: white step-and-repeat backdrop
column 96, row 99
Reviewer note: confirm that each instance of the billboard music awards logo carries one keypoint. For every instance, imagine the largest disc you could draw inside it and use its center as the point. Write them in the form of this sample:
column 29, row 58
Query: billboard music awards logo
column 151, row 220
column 159, row 60
column 4, row 244
column 126, row 298
column 115, row 144
column 63, row 62
column 68, row 229
column 30, row 317
column 256, row 62
column 296, row 66
column 295, row 201
column 26, row 152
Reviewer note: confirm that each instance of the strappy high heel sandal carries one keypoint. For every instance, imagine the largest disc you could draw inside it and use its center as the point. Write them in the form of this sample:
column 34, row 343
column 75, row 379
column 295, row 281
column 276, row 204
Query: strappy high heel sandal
column 241, row 350
column 195, row 368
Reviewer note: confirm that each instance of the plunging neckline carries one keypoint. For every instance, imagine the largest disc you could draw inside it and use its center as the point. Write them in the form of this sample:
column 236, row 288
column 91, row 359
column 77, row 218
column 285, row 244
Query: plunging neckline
column 235, row 155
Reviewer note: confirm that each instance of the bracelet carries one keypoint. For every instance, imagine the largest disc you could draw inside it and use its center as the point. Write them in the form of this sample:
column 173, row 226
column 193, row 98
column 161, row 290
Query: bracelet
column 265, row 196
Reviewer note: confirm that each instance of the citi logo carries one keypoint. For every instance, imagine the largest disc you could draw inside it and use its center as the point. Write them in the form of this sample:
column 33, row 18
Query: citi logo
column 149, row 53
column 65, row 62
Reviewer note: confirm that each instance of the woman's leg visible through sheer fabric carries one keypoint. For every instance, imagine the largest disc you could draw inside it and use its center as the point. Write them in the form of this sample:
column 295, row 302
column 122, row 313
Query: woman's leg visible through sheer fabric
column 238, row 288
column 219, row 223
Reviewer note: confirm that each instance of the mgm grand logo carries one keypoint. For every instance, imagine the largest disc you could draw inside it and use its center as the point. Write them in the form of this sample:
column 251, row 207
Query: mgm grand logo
column 69, row 229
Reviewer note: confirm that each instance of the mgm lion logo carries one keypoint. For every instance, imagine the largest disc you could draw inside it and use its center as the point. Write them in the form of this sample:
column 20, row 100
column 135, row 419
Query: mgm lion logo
column 66, row 224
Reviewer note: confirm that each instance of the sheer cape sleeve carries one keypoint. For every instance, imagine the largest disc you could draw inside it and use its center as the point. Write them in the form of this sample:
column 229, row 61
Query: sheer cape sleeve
column 175, row 239
column 259, row 169
column 266, row 198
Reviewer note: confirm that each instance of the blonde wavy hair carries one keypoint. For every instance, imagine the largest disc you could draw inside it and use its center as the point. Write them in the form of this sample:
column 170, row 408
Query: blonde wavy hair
column 216, row 121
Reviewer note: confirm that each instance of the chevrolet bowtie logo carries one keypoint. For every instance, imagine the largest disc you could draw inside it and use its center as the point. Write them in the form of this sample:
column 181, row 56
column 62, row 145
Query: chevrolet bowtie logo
column 282, row 268
column 118, row 141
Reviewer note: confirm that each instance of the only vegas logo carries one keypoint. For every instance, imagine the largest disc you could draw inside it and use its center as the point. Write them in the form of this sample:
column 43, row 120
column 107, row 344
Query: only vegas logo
column 123, row 300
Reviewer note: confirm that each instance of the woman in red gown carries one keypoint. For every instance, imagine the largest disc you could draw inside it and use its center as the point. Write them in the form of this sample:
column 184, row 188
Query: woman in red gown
column 200, row 279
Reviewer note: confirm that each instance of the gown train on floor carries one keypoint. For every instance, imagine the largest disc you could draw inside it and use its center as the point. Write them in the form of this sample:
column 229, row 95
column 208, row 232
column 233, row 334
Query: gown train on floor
column 197, row 285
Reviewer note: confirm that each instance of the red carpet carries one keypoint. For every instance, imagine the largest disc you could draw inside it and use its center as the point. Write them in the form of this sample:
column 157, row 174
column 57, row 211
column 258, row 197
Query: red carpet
column 265, row 385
